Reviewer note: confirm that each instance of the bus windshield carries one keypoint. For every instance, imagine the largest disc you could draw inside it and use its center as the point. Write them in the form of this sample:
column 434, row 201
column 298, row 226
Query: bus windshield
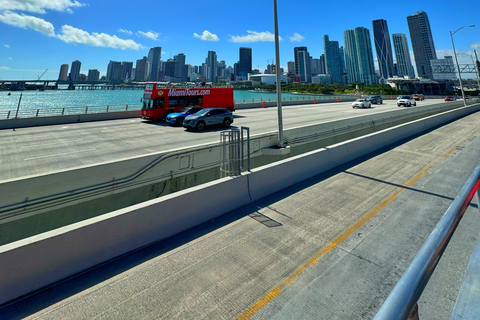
column 149, row 104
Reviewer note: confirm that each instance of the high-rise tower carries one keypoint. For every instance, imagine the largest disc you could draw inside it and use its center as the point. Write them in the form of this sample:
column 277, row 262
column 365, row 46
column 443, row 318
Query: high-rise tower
column 402, row 55
column 244, row 66
column 154, row 58
column 383, row 46
column 422, row 43
column 332, row 59
column 75, row 70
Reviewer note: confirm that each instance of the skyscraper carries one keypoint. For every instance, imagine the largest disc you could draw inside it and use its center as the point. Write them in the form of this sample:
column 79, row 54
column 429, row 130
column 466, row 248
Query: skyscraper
column 127, row 70
column 75, row 70
column 383, row 46
column 244, row 66
column 140, row 69
column 154, row 57
column 322, row 69
column 304, row 67
column 422, row 43
column 332, row 59
column 63, row 76
column 180, row 67
column 112, row 66
column 211, row 64
column 366, row 64
column 351, row 57
column 93, row 75
column 296, row 50
column 402, row 55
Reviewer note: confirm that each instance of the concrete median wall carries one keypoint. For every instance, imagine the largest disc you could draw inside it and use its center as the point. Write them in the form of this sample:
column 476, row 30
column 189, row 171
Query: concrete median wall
column 30, row 264
column 74, row 118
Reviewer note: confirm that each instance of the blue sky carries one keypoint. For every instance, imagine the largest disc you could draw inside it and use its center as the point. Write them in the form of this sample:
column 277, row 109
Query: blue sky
column 36, row 35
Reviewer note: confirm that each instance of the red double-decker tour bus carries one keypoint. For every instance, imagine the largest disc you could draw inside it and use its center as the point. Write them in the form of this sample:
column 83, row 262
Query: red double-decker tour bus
column 161, row 99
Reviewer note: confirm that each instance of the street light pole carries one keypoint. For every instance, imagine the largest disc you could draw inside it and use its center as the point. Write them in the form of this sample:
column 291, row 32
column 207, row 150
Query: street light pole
column 456, row 61
column 279, row 84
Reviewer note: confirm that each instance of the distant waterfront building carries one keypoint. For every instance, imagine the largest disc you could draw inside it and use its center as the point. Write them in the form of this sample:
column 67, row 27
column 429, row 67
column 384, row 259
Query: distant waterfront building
column 111, row 70
column 63, row 76
column 180, row 72
column 342, row 64
column 383, row 47
column 323, row 69
column 93, row 75
column 82, row 77
column 211, row 66
column 402, row 55
column 315, row 66
column 75, row 70
column 140, row 69
column 117, row 73
column 244, row 65
column 303, row 67
column 322, row 79
column 332, row 59
column 127, row 70
column 154, row 64
column 351, row 57
column 366, row 64
column 422, row 43
column 169, row 70
column 291, row 67
column 444, row 69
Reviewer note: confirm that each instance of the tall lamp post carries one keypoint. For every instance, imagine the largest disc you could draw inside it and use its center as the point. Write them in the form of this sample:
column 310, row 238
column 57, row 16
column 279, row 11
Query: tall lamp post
column 281, row 143
column 456, row 61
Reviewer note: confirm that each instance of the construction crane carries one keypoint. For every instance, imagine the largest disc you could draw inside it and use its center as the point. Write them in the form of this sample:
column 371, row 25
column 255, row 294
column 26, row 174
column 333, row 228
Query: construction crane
column 42, row 74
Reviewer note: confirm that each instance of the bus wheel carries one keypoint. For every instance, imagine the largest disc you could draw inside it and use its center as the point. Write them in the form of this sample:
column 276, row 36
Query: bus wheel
column 200, row 126
column 226, row 122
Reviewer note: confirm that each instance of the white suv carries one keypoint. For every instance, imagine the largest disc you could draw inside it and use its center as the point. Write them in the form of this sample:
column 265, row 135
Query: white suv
column 406, row 101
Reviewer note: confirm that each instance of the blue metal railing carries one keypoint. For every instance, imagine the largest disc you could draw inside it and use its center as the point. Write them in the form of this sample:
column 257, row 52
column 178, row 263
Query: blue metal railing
column 402, row 301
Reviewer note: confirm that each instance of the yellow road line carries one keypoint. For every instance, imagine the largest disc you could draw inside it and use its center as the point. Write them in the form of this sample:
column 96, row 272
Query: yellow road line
column 253, row 309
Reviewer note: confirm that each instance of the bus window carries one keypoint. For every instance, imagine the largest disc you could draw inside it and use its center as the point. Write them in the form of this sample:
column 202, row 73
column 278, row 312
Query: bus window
column 173, row 102
column 159, row 102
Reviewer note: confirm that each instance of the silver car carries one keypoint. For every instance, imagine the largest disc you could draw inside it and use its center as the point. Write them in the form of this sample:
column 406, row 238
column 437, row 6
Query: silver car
column 208, row 117
column 361, row 103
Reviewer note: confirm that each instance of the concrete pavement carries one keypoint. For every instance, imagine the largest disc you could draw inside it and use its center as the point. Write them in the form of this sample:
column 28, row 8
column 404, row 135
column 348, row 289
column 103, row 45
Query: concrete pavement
column 331, row 247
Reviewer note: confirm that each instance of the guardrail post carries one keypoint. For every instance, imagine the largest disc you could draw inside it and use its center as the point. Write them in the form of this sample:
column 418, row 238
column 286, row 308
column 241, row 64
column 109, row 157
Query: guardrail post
column 8, row 115
column 37, row 112
column 63, row 111
column 126, row 108
column 107, row 107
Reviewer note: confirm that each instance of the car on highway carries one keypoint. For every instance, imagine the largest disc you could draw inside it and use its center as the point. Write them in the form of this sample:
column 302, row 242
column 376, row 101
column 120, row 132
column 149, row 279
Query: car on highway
column 406, row 101
column 468, row 97
column 178, row 117
column 418, row 97
column 376, row 99
column 361, row 103
column 208, row 117
column 450, row 98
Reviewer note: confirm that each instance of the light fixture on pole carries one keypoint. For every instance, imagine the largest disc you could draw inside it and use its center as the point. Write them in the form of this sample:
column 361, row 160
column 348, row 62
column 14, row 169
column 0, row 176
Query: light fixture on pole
column 279, row 84
column 456, row 61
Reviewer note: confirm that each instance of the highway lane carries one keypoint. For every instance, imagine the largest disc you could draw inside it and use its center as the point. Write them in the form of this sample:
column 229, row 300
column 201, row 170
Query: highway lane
column 38, row 150
column 331, row 247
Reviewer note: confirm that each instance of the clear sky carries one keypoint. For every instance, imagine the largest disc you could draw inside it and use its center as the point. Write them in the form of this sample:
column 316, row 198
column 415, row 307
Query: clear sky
column 36, row 35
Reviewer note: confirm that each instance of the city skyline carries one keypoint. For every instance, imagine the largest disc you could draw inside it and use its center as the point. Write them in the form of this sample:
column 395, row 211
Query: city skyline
column 65, row 31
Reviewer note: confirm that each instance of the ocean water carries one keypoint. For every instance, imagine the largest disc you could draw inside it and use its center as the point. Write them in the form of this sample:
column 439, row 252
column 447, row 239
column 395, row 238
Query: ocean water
column 53, row 101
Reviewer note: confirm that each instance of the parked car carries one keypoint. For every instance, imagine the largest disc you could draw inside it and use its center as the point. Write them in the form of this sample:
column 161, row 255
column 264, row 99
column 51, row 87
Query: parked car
column 450, row 98
column 361, row 103
column 418, row 97
column 467, row 97
column 376, row 99
column 406, row 101
column 178, row 117
column 208, row 117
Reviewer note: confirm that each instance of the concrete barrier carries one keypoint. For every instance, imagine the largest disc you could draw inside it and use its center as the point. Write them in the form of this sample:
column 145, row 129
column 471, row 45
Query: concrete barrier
column 74, row 118
column 30, row 264
column 33, row 263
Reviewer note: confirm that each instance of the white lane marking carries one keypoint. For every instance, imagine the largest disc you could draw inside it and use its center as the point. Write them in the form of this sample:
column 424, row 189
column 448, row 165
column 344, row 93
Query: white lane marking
column 59, row 154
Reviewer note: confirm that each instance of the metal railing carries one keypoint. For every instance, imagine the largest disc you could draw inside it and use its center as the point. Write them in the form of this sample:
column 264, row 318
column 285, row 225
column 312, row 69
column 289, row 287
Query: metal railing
column 402, row 301
column 232, row 157
column 48, row 112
